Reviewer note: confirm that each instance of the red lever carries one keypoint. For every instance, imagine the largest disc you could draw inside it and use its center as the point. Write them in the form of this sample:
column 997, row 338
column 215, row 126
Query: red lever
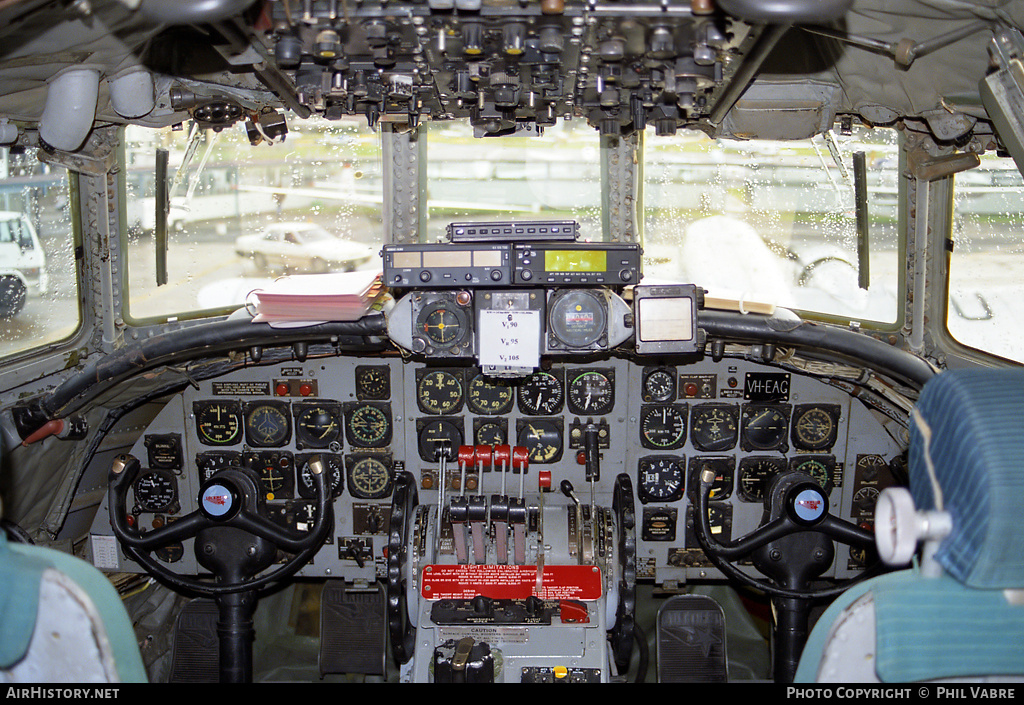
column 49, row 428
column 520, row 458
column 502, row 455
column 466, row 455
column 573, row 612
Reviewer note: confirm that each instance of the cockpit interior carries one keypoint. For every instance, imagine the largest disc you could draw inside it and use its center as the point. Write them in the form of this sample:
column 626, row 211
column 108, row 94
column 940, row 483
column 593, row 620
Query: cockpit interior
column 511, row 341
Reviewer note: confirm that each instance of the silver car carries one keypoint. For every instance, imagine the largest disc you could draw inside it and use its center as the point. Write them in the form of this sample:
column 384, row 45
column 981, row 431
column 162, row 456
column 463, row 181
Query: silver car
column 303, row 247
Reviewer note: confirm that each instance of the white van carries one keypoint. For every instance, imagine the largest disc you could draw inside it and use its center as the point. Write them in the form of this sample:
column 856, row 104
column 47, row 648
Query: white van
column 22, row 263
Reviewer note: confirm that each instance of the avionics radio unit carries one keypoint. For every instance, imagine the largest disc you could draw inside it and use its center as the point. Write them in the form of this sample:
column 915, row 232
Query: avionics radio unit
column 448, row 266
column 511, row 254
column 575, row 264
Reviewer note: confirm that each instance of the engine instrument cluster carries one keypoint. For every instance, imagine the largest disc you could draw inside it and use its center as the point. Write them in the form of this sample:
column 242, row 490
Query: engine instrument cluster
column 660, row 424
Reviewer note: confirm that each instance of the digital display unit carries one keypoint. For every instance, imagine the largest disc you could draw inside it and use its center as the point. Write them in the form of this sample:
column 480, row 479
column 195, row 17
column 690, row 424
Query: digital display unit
column 666, row 318
column 576, row 261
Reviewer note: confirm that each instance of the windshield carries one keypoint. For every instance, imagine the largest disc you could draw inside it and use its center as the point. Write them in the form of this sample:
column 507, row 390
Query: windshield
column 314, row 235
column 554, row 176
column 775, row 222
column 241, row 215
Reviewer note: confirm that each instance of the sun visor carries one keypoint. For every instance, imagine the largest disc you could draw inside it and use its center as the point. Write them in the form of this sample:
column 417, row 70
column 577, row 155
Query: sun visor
column 782, row 111
column 1002, row 93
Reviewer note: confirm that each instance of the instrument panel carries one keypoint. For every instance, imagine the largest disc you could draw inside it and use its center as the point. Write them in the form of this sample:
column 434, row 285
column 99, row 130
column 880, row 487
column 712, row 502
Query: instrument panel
column 662, row 422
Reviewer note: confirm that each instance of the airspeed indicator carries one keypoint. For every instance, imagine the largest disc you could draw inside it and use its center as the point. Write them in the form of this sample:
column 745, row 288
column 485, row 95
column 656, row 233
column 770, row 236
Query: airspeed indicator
column 663, row 427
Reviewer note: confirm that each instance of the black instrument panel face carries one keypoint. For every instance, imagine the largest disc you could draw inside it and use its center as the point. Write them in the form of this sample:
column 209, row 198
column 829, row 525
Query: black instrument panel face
column 662, row 422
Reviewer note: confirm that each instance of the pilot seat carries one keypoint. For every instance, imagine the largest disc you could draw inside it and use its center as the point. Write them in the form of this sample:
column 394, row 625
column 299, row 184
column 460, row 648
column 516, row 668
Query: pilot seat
column 61, row 621
column 957, row 611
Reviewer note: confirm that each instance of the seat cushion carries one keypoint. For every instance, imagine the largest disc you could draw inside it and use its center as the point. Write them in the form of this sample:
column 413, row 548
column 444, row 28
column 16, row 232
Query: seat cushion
column 20, row 576
column 932, row 628
column 976, row 418
column 903, row 627
column 70, row 595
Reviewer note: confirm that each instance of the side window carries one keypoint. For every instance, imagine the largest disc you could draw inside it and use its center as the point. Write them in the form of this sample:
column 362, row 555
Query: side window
column 984, row 269
column 38, row 286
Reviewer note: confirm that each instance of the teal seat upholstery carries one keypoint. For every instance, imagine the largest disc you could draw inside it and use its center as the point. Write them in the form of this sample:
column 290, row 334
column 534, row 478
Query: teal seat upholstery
column 61, row 620
column 964, row 618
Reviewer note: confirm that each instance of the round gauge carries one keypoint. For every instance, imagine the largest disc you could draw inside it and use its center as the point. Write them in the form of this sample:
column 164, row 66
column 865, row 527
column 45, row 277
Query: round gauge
column 590, row 392
column 820, row 469
column 276, row 473
column 491, row 433
column 542, row 439
column 266, row 424
column 577, row 318
column 442, row 324
column 541, row 394
column 713, row 427
column 756, row 475
column 660, row 479
column 814, row 428
column 764, row 428
column 212, row 462
column 368, row 477
column 218, row 423
column 439, row 392
column 373, row 382
column 171, row 553
column 317, row 425
column 721, row 487
column 435, row 431
column 156, row 491
column 368, row 426
column 332, row 463
column 663, row 427
column 865, row 498
column 660, row 385
column 489, row 396
column 862, row 557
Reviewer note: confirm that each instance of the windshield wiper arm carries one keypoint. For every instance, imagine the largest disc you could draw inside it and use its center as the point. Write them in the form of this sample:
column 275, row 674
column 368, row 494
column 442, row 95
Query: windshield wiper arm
column 860, row 200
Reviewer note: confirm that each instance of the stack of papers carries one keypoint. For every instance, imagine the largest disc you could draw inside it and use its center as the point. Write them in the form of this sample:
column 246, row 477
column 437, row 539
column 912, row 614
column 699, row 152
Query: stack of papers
column 308, row 298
